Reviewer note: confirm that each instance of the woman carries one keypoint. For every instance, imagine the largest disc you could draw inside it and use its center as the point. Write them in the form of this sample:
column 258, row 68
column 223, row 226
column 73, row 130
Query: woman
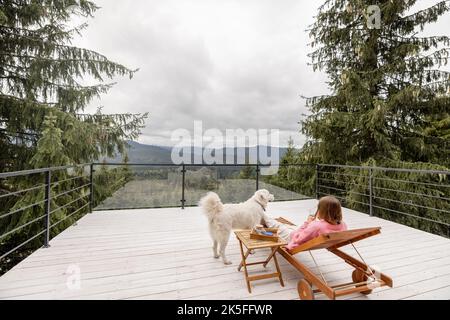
column 327, row 219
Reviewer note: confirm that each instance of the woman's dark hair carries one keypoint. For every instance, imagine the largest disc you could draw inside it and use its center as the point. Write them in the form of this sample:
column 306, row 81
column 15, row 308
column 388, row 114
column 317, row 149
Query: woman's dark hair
column 330, row 210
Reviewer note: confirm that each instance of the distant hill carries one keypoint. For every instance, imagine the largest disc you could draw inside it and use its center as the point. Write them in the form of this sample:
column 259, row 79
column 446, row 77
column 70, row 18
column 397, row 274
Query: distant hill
column 143, row 153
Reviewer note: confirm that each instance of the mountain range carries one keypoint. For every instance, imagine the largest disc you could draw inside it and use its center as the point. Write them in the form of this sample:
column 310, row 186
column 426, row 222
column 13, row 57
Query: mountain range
column 143, row 153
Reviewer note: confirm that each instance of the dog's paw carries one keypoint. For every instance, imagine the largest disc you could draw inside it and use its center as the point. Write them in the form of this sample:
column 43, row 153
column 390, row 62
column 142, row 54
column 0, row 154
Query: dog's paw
column 227, row 262
column 216, row 256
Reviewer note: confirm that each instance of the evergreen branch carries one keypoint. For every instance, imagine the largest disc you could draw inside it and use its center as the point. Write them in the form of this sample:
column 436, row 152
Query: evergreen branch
column 73, row 86
column 40, row 58
column 37, row 34
column 420, row 16
column 434, row 55
column 100, row 59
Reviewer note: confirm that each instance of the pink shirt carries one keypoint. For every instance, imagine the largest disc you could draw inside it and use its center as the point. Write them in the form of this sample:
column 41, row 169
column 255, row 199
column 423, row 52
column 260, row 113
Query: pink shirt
column 311, row 230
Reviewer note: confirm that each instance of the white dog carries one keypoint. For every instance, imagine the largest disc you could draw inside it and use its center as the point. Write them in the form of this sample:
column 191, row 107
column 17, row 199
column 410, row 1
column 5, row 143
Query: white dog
column 225, row 217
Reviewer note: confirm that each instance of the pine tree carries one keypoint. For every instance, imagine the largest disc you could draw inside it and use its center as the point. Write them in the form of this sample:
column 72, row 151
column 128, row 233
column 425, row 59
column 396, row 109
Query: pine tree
column 389, row 106
column 41, row 73
column 292, row 175
column 43, row 94
column 389, row 100
column 248, row 171
column 287, row 161
column 50, row 148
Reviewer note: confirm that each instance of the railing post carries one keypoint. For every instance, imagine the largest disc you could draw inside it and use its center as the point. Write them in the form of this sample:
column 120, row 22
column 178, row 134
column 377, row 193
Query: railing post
column 257, row 177
column 370, row 193
column 183, row 200
column 91, row 188
column 48, row 200
column 317, row 181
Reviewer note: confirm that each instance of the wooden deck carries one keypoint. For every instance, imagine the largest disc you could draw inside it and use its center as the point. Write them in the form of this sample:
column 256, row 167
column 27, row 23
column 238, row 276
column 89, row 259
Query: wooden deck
column 166, row 254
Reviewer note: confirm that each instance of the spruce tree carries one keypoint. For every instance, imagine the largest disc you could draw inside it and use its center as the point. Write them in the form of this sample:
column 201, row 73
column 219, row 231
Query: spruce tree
column 287, row 161
column 42, row 73
column 45, row 85
column 248, row 171
column 389, row 105
column 292, row 175
column 390, row 98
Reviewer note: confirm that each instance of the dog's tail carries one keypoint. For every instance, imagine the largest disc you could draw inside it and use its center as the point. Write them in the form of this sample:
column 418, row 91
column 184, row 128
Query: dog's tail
column 211, row 205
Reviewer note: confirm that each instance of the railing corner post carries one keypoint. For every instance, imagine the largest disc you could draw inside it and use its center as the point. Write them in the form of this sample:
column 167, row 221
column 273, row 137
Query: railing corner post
column 48, row 200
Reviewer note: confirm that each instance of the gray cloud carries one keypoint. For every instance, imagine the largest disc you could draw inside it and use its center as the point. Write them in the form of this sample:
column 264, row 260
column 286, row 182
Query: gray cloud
column 233, row 64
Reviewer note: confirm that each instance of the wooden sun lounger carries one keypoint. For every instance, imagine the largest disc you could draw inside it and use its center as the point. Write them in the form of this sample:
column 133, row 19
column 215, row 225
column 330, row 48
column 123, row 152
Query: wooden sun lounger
column 365, row 279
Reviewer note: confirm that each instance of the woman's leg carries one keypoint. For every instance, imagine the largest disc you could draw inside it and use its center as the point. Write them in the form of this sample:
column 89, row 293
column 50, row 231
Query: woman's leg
column 284, row 231
column 270, row 221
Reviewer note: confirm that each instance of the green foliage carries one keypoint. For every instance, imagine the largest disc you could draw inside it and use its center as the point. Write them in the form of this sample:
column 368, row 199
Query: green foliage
column 247, row 172
column 388, row 93
column 44, row 90
column 412, row 198
column 108, row 180
column 42, row 74
column 389, row 106
column 204, row 178
column 50, row 148
column 292, row 174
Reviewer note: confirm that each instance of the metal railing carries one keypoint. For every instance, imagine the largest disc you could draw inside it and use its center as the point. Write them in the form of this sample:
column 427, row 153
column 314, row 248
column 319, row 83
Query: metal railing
column 53, row 185
column 183, row 185
column 418, row 198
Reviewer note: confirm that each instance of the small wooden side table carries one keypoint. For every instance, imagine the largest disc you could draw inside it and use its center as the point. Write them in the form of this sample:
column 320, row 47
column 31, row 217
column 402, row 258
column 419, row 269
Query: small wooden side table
column 243, row 237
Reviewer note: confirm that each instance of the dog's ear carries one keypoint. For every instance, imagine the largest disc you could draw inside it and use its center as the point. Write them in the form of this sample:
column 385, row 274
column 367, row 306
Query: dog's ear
column 262, row 196
column 268, row 196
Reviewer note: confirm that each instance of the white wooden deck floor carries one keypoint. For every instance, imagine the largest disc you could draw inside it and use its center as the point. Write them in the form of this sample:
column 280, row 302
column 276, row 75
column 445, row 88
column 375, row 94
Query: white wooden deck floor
column 166, row 254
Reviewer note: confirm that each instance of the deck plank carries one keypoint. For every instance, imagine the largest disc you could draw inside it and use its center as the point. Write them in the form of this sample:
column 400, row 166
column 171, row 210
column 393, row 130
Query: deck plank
column 166, row 254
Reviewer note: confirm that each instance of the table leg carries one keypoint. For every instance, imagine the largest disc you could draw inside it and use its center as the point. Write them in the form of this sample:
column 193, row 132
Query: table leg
column 246, row 256
column 278, row 268
column 245, row 267
column 270, row 257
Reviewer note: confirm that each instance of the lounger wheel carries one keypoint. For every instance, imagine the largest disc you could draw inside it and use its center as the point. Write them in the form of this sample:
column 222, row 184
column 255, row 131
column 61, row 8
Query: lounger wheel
column 305, row 290
column 359, row 276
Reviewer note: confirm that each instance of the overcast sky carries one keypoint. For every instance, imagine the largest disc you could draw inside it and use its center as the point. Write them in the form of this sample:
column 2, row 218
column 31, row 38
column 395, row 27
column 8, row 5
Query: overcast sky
column 232, row 64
